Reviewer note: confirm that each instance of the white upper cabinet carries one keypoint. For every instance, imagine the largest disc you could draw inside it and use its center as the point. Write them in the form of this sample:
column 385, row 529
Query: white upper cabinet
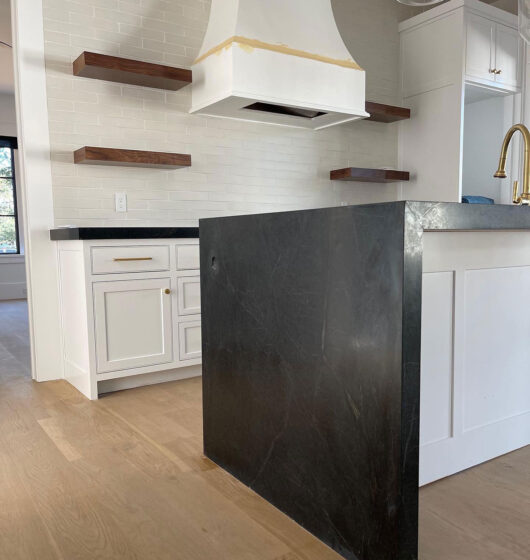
column 480, row 55
column 508, row 56
column 493, row 53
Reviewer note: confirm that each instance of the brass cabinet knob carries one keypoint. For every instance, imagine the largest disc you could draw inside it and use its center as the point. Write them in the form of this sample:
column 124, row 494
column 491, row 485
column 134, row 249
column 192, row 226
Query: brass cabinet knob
column 498, row 72
column 167, row 291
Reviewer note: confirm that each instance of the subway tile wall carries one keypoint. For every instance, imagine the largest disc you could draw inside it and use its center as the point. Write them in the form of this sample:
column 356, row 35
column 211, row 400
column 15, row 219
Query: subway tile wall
column 238, row 167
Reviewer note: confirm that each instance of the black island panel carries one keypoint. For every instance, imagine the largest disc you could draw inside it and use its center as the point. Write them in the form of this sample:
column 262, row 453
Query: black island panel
column 311, row 362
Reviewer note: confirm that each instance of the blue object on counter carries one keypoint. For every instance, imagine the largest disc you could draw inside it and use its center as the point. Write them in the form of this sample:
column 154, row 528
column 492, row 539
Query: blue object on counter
column 477, row 200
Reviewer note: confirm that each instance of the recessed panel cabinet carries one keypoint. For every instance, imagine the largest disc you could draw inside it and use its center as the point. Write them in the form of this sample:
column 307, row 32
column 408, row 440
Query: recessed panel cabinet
column 475, row 387
column 132, row 323
column 493, row 53
column 480, row 48
column 131, row 309
column 508, row 54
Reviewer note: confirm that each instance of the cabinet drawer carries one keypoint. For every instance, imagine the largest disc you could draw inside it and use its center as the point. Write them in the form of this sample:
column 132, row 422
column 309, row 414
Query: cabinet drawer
column 190, row 340
column 137, row 258
column 188, row 257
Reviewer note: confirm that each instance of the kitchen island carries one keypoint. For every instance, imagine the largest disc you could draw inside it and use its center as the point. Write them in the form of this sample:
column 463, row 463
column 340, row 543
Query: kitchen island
column 312, row 333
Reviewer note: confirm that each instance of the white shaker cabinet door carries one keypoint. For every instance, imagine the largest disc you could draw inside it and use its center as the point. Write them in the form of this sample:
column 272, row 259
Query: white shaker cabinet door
column 480, row 47
column 133, row 324
column 507, row 56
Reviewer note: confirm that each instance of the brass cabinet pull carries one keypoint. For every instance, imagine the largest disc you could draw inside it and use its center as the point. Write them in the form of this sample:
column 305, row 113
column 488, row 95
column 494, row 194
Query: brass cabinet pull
column 167, row 291
column 498, row 72
column 133, row 259
column 492, row 70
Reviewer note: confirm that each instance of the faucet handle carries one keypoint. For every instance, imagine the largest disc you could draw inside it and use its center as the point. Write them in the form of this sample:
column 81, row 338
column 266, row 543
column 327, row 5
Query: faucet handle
column 516, row 198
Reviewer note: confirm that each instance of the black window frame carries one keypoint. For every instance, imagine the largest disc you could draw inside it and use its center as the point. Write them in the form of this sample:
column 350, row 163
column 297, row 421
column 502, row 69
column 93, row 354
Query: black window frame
column 12, row 143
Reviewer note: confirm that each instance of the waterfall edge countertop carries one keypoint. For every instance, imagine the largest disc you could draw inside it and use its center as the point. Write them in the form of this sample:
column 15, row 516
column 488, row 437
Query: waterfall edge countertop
column 94, row 233
column 311, row 361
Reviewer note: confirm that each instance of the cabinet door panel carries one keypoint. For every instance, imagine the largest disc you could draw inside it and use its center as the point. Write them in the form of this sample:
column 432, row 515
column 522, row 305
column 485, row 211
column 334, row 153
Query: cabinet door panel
column 189, row 295
column 480, row 46
column 188, row 257
column 507, row 56
column 133, row 324
column 190, row 340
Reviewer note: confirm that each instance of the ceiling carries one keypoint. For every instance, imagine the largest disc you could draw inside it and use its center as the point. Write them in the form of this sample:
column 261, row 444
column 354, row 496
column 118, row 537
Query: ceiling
column 6, row 54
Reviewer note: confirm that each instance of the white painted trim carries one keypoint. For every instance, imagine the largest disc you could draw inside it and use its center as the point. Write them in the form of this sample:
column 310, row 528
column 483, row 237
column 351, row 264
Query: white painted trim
column 11, row 259
column 131, row 382
column 35, row 184
column 12, row 290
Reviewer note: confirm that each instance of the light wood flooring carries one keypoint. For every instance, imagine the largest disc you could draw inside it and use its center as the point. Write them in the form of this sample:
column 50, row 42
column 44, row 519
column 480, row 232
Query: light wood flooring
column 124, row 478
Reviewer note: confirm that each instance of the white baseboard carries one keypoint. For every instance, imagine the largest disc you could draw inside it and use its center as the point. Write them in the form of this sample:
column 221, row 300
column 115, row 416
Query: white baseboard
column 122, row 383
column 14, row 290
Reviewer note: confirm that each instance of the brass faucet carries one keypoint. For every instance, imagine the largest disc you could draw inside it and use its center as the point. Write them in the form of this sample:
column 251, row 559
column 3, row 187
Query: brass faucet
column 524, row 198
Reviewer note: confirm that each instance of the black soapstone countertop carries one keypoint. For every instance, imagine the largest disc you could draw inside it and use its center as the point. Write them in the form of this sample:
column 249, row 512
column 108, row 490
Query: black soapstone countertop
column 94, row 233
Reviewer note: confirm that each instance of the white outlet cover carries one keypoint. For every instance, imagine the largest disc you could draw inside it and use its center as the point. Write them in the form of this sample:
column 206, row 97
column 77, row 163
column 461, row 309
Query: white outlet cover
column 121, row 202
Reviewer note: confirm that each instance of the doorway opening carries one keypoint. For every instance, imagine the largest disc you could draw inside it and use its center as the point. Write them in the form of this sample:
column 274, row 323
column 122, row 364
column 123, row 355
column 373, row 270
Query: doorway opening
column 15, row 353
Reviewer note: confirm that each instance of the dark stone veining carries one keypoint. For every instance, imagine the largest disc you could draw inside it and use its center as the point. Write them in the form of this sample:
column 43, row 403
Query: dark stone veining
column 311, row 362
column 93, row 233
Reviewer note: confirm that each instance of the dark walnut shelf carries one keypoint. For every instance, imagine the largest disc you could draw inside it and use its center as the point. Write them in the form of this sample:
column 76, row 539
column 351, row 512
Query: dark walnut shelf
column 127, row 71
column 362, row 175
column 131, row 158
column 386, row 113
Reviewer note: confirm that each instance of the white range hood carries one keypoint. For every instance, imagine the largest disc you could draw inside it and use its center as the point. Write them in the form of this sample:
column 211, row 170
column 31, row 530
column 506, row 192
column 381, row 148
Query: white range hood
column 277, row 61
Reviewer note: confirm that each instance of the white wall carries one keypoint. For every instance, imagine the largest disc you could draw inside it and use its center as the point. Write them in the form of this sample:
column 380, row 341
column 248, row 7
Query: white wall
column 237, row 167
column 6, row 60
column 8, row 117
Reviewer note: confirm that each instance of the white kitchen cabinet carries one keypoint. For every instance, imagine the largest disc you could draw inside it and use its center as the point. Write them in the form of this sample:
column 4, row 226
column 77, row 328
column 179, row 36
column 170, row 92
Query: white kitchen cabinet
column 493, row 53
column 480, row 48
column 130, row 311
column 508, row 55
column 132, row 323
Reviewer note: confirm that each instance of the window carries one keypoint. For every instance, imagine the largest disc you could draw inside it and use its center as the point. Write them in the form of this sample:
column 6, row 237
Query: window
column 9, row 240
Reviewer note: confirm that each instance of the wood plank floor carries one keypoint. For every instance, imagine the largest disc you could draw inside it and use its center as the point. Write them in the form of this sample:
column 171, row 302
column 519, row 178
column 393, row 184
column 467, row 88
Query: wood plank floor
column 124, row 478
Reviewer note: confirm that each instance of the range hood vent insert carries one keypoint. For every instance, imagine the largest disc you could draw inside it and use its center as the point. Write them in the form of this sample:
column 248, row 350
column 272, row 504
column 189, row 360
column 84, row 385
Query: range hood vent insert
column 283, row 110
column 278, row 62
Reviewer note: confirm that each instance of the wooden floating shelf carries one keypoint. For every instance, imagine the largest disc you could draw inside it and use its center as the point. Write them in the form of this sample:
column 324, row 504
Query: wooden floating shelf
column 386, row 113
column 134, row 72
column 362, row 175
column 131, row 158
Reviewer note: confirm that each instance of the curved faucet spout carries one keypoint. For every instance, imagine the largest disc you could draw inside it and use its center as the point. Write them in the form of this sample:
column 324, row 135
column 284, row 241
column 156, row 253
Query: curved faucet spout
column 501, row 171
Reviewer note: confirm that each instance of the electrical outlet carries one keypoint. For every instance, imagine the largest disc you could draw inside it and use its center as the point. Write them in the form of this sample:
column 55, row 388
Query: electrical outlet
column 121, row 201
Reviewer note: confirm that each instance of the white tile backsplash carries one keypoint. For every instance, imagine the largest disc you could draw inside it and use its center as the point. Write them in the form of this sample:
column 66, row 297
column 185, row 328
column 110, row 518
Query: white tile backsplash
column 238, row 167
